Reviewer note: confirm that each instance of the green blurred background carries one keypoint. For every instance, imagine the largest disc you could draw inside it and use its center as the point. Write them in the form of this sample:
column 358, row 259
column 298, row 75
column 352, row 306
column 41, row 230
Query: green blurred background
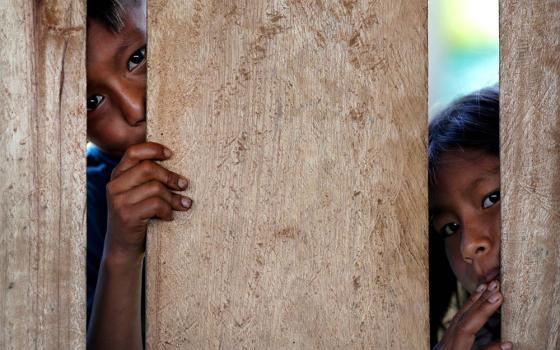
column 463, row 48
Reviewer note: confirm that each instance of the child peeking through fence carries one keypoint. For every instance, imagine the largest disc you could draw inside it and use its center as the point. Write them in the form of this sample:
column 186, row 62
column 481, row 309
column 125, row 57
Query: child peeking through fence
column 125, row 186
column 464, row 181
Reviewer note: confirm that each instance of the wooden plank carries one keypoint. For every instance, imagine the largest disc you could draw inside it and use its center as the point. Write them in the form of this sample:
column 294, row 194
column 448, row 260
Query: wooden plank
column 303, row 128
column 42, row 174
column 530, row 140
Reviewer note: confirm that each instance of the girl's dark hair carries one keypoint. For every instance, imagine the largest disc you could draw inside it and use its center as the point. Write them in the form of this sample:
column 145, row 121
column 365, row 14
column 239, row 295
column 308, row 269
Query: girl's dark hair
column 470, row 122
column 109, row 12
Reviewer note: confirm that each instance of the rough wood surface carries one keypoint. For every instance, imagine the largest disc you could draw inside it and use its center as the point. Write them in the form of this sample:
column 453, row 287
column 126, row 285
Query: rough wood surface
column 302, row 126
column 530, row 140
column 42, row 174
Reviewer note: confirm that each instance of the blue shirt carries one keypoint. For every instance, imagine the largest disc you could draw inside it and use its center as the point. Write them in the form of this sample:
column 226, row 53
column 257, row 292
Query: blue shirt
column 99, row 168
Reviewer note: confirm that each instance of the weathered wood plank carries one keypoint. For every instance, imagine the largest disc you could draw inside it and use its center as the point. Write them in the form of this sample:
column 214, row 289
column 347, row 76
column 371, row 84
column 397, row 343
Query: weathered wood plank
column 42, row 174
column 303, row 127
column 530, row 140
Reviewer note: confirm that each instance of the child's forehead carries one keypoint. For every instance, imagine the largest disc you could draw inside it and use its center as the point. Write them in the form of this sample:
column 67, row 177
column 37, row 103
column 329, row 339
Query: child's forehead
column 466, row 158
column 135, row 15
column 463, row 169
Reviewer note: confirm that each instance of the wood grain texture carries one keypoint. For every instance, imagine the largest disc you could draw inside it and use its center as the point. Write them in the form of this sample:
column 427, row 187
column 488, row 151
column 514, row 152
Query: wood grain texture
column 42, row 174
column 302, row 126
column 530, row 151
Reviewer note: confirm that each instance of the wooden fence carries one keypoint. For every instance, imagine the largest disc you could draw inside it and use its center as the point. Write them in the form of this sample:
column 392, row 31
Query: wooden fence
column 42, row 174
column 530, row 169
column 302, row 126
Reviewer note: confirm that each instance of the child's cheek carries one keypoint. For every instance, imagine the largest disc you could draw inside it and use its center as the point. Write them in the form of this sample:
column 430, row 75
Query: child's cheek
column 455, row 258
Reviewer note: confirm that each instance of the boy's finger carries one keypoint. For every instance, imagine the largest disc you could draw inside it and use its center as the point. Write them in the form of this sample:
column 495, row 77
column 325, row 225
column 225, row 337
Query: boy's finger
column 499, row 346
column 138, row 153
column 144, row 172
column 153, row 207
column 156, row 189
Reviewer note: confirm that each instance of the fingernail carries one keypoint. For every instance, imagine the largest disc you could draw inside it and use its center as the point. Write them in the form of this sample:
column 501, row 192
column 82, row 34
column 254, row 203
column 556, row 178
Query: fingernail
column 493, row 285
column 182, row 182
column 167, row 152
column 186, row 203
column 494, row 298
column 506, row 346
column 481, row 288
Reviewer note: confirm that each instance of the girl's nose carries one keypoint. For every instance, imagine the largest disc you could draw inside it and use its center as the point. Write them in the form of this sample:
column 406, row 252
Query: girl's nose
column 476, row 243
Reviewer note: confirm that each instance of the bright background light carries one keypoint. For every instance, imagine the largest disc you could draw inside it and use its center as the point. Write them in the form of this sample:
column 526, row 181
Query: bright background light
column 463, row 48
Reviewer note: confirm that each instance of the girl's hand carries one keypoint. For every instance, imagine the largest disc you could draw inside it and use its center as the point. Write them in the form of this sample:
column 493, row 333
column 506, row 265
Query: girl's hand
column 139, row 190
column 481, row 305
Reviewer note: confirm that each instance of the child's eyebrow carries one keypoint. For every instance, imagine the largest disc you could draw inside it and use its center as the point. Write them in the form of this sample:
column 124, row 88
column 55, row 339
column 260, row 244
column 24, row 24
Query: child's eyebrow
column 127, row 41
column 124, row 45
column 476, row 182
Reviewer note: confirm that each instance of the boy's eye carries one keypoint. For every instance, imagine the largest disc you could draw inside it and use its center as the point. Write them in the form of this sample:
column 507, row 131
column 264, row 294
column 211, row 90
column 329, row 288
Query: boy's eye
column 491, row 199
column 93, row 102
column 449, row 229
column 136, row 58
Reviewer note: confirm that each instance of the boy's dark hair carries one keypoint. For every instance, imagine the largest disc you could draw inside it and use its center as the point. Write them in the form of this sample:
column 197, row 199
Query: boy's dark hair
column 471, row 122
column 109, row 12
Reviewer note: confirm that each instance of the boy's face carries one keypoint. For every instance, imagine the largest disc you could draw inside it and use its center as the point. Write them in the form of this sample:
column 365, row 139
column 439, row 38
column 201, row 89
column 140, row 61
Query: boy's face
column 116, row 82
column 466, row 207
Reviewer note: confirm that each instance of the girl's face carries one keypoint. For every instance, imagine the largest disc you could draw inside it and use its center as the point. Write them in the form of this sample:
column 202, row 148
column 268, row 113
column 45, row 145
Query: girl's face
column 466, row 211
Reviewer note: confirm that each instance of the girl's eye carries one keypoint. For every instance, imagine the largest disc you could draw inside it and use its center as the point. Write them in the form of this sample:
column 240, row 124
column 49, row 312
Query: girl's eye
column 137, row 57
column 93, row 102
column 449, row 229
column 491, row 199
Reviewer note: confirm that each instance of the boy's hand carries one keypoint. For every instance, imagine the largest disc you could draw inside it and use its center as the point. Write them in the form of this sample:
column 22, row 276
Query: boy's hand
column 476, row 311
column 140, row 189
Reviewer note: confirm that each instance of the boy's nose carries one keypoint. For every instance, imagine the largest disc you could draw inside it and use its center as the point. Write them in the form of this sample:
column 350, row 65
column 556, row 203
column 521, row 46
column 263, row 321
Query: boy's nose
column 132, row 103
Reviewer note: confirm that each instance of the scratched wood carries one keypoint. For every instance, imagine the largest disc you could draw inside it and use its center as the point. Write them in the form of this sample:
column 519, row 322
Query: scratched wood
column 530, row 140
column 302, row 126
column 42, row 174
